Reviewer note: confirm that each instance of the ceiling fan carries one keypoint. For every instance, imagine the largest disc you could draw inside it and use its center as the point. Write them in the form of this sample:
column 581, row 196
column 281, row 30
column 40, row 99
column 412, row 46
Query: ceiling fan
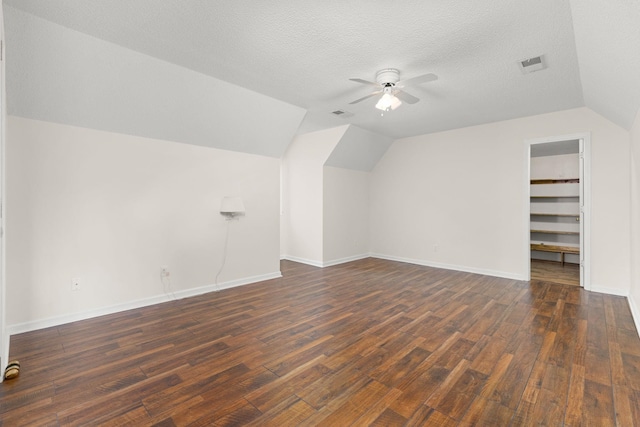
column 390, row 86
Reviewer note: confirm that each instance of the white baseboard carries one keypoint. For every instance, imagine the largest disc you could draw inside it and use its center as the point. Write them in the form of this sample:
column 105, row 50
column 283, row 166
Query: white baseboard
column 635, row 313
column 346, row 259
column 5, row 352
column 466, row 269
column 226, row 285
column 158, row 299
column 609, row 291
column 303, row 260
column 323, row 264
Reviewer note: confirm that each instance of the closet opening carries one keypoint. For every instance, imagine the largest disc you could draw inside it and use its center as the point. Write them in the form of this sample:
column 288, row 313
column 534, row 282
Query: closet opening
column 557, row 210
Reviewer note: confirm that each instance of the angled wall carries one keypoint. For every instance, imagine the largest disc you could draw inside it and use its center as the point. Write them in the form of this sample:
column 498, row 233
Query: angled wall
column 346, row 194
column 63, row 76
column 326, row 186
column 345, row 215
column 302, row 215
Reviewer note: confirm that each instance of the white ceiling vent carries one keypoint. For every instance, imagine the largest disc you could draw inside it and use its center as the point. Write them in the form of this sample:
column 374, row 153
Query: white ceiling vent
column 342, row 113
column 530, row 65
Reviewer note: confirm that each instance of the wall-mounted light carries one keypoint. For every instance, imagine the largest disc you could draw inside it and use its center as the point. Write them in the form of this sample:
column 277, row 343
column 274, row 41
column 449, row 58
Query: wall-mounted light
column 231, row 207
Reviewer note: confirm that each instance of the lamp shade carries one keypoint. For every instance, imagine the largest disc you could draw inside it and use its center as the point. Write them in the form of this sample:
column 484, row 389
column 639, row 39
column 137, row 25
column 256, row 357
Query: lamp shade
column 232, row 205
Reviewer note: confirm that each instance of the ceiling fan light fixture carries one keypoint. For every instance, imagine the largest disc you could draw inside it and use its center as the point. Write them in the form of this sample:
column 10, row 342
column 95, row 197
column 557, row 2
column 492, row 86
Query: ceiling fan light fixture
column 388, row 102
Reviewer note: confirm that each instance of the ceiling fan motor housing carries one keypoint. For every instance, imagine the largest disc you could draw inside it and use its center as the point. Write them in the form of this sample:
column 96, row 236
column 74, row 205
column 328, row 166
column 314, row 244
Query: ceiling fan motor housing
column 388, row 77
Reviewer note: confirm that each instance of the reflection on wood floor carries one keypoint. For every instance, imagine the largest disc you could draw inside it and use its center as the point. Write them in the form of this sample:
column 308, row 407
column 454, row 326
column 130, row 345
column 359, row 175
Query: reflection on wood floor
column 369, row 342
column 555, row 272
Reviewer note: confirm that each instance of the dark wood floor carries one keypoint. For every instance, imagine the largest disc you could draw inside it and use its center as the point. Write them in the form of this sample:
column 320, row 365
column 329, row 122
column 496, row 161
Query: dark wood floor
column 551, row 271
column 371, row 342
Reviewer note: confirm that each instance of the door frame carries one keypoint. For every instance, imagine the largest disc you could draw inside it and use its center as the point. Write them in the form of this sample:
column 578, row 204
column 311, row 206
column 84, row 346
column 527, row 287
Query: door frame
column 585, row 202
column 4, row 336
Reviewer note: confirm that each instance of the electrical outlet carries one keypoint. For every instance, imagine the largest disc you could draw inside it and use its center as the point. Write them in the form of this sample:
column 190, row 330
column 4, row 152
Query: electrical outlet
column 164, row 271
column 435, row 248
column 75, row 284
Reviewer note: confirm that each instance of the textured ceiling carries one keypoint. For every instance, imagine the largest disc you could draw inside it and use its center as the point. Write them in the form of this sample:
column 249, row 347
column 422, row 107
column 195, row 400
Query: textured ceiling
column 60, row 75
column 303, row 52
column 608, row 45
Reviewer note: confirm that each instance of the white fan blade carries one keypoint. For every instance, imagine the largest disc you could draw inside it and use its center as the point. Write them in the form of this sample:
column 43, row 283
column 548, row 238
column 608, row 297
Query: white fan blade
column 405, row 97
column 364, row 82
column 366, row 97
column 417, row 80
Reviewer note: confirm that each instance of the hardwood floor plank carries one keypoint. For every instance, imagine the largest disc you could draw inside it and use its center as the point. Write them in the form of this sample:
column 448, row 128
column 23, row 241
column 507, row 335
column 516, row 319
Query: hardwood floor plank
column 268, row 396
column 376, row 409
column 624, row 402
column 573, row 413
column 496, row 375
column 550, row 271
column 455, row 403
column 290, row 412
column 597, row 407
column 416, row 392
column 487, row 413
column 370, row 342
column 357, row 405
column 631, row 366
column 389, row 418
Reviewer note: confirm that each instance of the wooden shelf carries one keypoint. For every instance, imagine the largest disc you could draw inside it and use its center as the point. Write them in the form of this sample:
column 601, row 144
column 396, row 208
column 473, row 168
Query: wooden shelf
column 555, row 248
column 577, row 215
column 555, row 181
column 562, row 250
column 571, row 233
column 555, row 197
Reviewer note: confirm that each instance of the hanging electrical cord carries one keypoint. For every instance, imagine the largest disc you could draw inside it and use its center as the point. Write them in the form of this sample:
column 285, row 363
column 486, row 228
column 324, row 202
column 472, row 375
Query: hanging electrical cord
column 166, row 284
column 224, row 255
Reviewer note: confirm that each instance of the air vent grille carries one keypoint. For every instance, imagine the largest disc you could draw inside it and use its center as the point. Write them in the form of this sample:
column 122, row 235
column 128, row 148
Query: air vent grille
column 530, row 65
column 342, row 113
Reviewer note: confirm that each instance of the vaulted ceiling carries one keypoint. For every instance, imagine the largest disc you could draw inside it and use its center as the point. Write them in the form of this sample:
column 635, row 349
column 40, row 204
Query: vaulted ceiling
column 303, row 53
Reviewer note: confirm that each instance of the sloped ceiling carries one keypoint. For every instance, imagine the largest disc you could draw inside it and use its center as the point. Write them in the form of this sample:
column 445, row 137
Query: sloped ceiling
column 303, row 52
column 358, row 149
column 59, row 75
column 608, row 46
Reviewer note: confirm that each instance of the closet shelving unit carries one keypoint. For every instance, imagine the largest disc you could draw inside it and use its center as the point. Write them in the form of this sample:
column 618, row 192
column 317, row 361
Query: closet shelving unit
column 555, row 217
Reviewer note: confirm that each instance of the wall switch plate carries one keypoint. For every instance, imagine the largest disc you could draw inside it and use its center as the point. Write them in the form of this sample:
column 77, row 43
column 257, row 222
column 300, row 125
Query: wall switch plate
column 75, row 284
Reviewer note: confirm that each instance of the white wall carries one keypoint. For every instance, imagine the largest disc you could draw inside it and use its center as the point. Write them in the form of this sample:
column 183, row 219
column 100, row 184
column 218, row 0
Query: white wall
column 463, row 191
column 303, row 194
column 634, row 294
column 112, row 209
column 345, row 215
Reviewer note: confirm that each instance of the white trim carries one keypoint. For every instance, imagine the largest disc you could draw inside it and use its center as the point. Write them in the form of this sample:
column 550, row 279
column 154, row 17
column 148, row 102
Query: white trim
column 302, row 260
column 226, row 285
column 346, row 259
column 527, row 211
column 465, row 269
column 158, row 299
column 635, row 313
column 610, row 291
column 586, row 184
column 4, row 333
column 322, row 264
